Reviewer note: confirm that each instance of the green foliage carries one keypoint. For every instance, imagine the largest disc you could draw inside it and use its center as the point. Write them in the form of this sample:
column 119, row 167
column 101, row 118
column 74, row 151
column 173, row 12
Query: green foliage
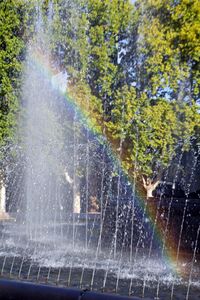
column 168, row 43
column 133, row 70
column 69, row 41
column 16, row 27
column 150, row 132
column 88, row 36
column 108, row 22
column 11, row 52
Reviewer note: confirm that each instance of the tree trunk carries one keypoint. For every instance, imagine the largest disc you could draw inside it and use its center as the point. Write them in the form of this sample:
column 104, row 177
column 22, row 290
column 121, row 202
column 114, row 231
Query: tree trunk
column 150, row 185
column 2, row 198
column 3, row 214
column 150, row 191
column 77, row 203
column 76, row 194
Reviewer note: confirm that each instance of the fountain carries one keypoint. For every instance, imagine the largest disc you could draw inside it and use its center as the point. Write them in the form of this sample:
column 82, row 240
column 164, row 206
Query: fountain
column 77, row 220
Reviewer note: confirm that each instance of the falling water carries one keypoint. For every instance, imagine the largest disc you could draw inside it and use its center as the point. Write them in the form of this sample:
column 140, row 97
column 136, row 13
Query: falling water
column 44, row 153
column 59, row 235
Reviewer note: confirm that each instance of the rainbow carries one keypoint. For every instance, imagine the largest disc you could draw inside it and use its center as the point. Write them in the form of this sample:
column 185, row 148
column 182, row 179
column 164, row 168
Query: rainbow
column 159, row 228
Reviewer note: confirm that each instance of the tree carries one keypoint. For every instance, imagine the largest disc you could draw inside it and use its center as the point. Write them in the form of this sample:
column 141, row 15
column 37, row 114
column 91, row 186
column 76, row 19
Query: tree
column 149, row 134
column 107, row 29
column 139, row 70
column 163, row 49
column 140, row 73
column 11, row 55
column 161, row 61
column 133, row 70
column 89, row 38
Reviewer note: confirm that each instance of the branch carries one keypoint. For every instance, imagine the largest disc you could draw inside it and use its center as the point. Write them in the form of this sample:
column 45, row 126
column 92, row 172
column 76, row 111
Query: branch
column 158, row 178
column 144, row 182
column 156, row 183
